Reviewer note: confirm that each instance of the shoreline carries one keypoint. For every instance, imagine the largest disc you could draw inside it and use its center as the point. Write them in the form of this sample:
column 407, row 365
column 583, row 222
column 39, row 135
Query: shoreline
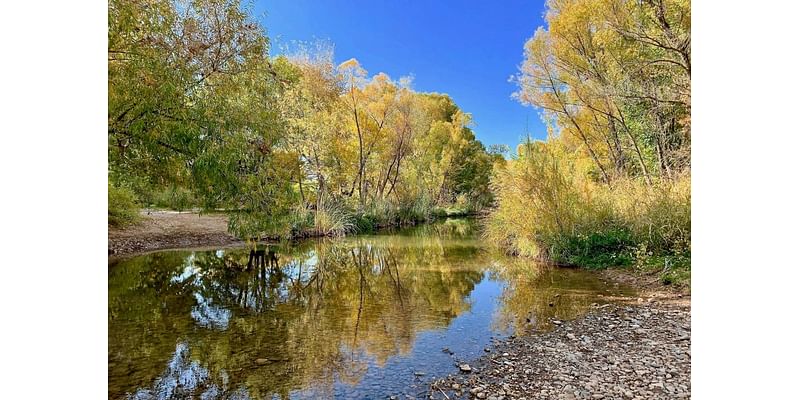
column 633, row 348
column 638, row 348
column 165, row 230
column 169, row 230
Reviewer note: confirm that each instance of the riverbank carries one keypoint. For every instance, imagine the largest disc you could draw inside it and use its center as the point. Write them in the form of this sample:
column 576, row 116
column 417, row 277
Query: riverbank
column 164, row 230
column 161, row 230
column 637, row 349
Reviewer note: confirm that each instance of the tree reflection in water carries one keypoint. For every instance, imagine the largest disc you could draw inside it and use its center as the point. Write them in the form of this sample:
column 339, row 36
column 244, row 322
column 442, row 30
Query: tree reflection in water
column 330, row 308
column 534, row 294
column 323, row 318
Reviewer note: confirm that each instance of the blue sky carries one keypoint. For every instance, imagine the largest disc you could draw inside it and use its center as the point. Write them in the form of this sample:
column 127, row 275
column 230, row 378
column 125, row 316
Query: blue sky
column 467, row 49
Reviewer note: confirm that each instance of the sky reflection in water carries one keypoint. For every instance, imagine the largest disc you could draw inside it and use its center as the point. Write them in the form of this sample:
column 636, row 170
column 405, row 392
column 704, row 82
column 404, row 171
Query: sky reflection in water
column 360, row 317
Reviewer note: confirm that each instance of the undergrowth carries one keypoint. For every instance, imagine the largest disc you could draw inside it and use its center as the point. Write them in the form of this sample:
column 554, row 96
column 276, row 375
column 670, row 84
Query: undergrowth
column 123, row 207
column 549, row 207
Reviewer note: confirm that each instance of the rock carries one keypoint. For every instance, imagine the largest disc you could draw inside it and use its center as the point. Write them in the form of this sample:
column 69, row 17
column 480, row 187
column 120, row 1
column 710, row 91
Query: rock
column 262, row 361
column 587, row 357
column 418, row 373
column 446, row 350
column 465, row 368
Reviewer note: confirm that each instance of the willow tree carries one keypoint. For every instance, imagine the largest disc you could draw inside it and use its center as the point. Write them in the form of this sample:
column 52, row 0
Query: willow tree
column 192, row 97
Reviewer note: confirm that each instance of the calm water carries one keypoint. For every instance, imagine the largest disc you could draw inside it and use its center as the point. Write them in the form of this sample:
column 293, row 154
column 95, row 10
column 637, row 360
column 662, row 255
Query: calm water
column 362, row 317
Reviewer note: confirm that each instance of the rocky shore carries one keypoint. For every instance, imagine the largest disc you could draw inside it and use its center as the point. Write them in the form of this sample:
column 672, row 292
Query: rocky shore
column 640, row 350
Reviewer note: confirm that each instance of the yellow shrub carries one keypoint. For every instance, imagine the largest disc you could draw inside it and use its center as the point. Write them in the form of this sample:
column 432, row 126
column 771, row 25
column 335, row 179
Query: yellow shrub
column 545, row 198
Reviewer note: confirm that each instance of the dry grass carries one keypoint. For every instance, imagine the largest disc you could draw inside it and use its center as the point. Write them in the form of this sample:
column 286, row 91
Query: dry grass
column 549, row 207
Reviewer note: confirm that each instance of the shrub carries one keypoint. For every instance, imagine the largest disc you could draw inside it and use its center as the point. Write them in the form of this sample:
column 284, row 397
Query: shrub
column 123, row 208
column 596, row 250
column 175, row 198
column 549, row 207
column 332, row 218
column 365, row 223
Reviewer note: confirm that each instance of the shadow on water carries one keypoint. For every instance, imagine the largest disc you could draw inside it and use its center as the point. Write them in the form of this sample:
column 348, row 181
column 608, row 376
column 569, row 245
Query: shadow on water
column 357, row 317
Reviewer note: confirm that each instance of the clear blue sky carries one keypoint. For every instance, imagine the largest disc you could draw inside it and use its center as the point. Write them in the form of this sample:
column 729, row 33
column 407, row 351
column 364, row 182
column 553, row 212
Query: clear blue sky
column 467, row 49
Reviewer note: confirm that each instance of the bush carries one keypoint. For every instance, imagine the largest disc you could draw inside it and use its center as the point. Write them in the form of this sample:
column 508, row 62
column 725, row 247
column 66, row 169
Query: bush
column 596, row 250
column 549, row 207
column 123, row 208
column 175, row 198
column 365, row 223
column 332, row 218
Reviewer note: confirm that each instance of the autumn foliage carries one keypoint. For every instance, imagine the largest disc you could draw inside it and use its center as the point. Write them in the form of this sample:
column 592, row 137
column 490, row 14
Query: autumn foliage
column 289, row 145
column 610, row 185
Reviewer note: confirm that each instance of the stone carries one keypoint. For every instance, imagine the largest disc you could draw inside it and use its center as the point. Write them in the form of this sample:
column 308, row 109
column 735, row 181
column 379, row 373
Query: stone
column 590, row 360
column 465, row 368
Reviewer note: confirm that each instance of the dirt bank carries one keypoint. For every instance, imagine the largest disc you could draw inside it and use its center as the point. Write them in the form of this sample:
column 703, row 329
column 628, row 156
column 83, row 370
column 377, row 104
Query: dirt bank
column 160, row 230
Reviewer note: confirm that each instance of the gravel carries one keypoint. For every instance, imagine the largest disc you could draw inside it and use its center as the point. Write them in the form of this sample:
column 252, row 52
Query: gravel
column 639, row 351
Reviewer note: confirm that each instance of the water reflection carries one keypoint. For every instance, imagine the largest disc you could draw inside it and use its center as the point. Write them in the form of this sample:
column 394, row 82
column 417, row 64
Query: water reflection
column 533, row 297
column 353, row 317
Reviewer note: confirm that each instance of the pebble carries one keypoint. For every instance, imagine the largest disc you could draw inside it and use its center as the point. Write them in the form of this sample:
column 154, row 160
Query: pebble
column 604, row 354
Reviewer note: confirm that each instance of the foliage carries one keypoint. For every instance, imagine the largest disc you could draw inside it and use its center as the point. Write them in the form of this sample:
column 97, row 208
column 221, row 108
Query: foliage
column 613, row 77
column 595, row 250
column 123, row 209
column 333, row 219
column 549, row 207
column 610, row 186
column 286, row 144
column 175, row 198
column 672, row 269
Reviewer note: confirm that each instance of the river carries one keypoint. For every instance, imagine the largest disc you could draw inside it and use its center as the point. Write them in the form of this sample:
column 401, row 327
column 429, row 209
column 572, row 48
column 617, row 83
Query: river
column 362, row 317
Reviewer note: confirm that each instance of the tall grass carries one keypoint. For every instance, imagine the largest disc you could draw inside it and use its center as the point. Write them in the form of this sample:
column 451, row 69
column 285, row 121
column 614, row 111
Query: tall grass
column 548, row 207
column 389, row 212
column 332, row 218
